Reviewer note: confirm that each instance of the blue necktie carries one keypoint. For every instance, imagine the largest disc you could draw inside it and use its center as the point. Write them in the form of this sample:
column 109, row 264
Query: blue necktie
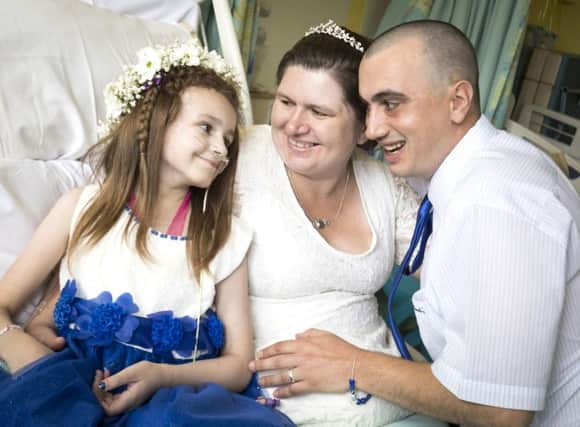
column 422, row 232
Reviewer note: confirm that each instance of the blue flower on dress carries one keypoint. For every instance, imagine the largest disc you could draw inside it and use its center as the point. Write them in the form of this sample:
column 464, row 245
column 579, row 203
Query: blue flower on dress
column 110, row 320
column 166, row 332
column 64, row 311
column 215, row 329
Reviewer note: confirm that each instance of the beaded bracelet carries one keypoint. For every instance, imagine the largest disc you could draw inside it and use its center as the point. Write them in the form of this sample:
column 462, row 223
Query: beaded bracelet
column 358, row 399
column 9, row 328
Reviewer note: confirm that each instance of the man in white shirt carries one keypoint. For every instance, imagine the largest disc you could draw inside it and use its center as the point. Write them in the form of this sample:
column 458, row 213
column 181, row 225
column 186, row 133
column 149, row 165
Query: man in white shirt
column 499, row 304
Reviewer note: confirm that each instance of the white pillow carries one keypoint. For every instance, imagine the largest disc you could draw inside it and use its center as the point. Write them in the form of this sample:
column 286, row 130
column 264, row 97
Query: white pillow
column 57, row 56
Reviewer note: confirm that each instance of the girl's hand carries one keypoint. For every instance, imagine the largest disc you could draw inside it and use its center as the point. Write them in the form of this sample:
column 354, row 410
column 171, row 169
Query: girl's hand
column 46, row 335
column 141, row 379
column 41, row 325
column 22, row 349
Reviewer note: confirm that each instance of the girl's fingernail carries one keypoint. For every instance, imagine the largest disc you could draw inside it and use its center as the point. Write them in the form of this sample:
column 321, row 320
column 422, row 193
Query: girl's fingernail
column 272, row 403
column 102, row 386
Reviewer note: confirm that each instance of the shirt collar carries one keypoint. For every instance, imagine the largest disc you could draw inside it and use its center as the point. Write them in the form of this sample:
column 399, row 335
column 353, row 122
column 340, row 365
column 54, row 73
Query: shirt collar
column 455, row 166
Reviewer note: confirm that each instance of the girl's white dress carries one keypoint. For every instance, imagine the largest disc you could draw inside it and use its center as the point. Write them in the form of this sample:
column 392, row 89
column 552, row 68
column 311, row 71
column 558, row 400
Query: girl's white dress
column 167, row 284
column 298, row 281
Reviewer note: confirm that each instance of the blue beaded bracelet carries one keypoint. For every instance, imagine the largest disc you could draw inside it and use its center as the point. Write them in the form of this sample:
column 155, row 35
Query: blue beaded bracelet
column 358, row 399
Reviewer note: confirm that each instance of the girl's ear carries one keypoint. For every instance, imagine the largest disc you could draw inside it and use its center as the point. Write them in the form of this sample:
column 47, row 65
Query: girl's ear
column 461, row 100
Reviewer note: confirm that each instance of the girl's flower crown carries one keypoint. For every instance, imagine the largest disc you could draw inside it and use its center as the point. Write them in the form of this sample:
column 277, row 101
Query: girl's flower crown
column 152, row 63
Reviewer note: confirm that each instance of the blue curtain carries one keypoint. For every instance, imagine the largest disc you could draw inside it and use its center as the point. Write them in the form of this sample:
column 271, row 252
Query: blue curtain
column 495, row 27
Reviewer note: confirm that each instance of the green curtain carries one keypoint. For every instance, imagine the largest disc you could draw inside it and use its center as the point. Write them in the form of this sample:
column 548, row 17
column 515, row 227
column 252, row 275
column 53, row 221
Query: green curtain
column 245, row 19
column 495, row 27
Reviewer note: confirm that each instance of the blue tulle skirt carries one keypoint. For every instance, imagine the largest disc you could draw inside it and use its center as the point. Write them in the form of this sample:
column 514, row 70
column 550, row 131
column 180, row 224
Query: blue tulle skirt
column 101, row 334
column 56, row 391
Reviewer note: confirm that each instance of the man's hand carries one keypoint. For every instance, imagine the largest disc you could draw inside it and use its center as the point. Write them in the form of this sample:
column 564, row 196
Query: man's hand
column 316, row 361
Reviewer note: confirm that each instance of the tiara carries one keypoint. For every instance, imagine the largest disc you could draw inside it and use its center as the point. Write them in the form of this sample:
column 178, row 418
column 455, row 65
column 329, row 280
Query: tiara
column 153, row 62
column 335, row 31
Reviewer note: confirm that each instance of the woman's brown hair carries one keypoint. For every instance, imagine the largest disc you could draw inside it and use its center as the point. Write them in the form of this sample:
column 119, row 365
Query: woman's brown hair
column 128, row 161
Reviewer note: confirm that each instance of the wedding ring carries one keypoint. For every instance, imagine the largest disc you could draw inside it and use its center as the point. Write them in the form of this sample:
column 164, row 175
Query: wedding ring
column 291, row 379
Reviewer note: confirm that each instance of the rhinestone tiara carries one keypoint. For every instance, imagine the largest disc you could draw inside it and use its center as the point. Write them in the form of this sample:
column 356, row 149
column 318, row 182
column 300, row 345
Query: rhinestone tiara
column 334, row 30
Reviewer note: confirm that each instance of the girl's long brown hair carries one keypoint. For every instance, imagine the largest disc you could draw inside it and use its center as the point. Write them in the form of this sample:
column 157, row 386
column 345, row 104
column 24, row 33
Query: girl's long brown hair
column 128, row 160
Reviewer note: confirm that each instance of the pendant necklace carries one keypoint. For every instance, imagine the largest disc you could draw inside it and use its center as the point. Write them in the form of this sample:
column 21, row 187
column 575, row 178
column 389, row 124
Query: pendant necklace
column 320, row 223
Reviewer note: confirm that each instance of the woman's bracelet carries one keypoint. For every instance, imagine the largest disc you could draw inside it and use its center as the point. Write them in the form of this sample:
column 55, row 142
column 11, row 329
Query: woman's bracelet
column 359, row 399
column 9, row 327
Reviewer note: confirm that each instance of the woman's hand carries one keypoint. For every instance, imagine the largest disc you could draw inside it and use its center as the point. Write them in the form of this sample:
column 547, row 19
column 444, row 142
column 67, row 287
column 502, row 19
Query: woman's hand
column 316, row 361
column 141, row 379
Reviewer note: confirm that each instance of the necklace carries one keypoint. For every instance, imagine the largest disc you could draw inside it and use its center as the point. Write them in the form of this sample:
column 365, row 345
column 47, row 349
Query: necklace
column 320, row 223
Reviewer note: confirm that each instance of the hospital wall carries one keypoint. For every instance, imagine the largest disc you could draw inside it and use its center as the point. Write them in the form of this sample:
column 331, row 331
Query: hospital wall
column 560, row 17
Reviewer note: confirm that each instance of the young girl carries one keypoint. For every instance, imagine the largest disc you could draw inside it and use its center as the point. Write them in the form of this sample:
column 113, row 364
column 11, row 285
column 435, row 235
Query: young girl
column 153, row 302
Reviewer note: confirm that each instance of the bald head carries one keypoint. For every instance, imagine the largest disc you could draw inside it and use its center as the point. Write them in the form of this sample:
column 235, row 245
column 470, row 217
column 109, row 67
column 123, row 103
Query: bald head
column 449, row 55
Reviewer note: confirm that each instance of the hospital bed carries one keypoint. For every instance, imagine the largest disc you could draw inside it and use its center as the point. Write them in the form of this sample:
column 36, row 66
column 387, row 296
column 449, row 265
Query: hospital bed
column 555, row 133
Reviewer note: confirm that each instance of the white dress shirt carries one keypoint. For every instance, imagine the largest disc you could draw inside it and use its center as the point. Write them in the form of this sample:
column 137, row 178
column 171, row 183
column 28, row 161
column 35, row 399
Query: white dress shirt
column 499, row 304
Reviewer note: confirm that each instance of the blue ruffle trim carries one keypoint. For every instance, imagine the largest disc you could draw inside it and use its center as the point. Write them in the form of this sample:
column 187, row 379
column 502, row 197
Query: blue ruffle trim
column 101, row 321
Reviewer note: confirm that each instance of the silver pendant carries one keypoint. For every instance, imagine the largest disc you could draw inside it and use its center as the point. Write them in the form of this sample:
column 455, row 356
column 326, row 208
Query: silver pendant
column 320, row 223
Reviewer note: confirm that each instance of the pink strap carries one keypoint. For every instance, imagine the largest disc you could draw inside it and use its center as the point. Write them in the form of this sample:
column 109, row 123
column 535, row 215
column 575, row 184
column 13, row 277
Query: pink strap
column 132, row 201
column 178, row 221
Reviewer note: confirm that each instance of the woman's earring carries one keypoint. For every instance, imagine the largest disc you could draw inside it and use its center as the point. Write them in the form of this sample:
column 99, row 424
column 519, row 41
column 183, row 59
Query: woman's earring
column 204, row 204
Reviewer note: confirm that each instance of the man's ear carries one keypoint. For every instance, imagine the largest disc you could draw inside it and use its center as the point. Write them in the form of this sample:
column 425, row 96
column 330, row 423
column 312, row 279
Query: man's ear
column 461, row 101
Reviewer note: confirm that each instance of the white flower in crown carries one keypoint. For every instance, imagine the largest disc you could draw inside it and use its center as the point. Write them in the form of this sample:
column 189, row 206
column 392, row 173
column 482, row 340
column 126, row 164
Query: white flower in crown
column 122, row 95
column 334, row 30
column 113, row 103
column 187, row 54
column 148, row 63
column 216, row 62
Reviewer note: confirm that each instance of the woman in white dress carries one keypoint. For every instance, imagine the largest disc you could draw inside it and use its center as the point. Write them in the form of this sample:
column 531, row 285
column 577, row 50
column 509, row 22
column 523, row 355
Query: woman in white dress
column 329, row 222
